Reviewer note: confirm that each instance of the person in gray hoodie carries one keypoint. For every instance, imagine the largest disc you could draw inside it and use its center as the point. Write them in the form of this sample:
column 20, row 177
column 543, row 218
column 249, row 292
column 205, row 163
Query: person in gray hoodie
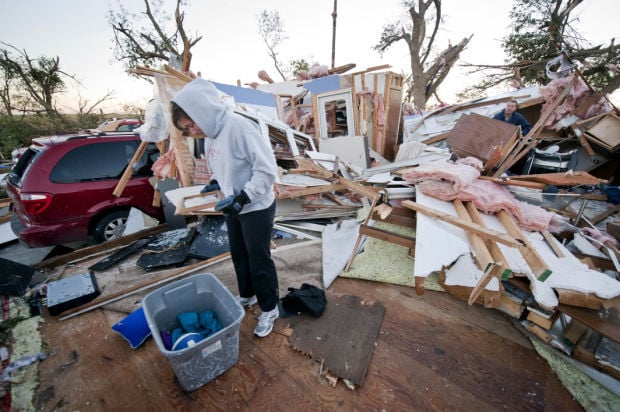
column 244, row 169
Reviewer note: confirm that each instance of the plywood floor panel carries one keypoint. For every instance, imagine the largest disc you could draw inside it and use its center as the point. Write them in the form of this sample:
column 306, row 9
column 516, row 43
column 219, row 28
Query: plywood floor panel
column 432, row 353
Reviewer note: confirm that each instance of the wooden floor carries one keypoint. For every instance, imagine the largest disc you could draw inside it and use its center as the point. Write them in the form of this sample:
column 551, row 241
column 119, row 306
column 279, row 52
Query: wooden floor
column 433, row 353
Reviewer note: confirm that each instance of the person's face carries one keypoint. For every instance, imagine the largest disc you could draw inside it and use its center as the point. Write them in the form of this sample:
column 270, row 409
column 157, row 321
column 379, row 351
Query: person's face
column 511, row 107
column 187, row 125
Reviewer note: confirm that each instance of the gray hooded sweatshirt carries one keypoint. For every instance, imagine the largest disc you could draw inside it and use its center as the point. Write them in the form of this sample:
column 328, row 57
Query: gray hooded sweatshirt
column 240, row 157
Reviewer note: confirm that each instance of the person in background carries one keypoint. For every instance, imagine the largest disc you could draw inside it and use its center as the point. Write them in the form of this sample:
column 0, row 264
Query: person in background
column 244, row 169
column 509, row 114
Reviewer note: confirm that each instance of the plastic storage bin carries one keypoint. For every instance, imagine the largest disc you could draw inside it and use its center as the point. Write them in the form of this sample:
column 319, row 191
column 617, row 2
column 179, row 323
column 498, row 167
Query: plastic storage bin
column 197, row 365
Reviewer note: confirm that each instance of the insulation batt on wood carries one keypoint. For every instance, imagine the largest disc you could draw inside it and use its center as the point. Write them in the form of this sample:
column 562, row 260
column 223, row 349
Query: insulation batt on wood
column 457, row 180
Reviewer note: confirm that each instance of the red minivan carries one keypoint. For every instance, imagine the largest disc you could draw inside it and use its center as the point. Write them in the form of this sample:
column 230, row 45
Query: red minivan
column 61, row 189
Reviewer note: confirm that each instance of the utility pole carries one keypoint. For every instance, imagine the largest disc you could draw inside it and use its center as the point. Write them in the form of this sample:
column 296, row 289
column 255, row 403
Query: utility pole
column 334, row 15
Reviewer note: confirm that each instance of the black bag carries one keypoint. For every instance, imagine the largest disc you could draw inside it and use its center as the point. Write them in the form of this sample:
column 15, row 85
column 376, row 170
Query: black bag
column 306, row 299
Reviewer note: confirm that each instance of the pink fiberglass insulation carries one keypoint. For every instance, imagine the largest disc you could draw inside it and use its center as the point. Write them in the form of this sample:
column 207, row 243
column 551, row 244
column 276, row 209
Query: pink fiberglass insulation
column 448, row 181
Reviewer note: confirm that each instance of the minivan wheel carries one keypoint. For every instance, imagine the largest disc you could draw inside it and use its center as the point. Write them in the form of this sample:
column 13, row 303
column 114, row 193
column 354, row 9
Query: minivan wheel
column 111, row 226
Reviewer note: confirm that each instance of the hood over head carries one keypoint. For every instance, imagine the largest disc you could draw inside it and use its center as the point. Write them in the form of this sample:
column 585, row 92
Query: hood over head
column 203, row 104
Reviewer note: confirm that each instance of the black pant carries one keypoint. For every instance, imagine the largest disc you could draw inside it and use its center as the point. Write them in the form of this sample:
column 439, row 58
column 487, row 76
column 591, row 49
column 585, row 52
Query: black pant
column 249, row 235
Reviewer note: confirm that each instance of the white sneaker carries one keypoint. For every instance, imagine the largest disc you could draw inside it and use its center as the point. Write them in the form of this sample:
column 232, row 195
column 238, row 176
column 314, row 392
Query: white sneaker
column 265, row 322
column 251, row 301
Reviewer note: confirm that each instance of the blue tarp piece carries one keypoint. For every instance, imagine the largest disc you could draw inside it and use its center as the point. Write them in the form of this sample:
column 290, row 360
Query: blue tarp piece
column 247, row 95
column 323, row 84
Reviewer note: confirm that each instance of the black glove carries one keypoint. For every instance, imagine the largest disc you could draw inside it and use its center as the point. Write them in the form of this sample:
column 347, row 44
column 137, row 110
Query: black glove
column 211, row 187
column 233, row 204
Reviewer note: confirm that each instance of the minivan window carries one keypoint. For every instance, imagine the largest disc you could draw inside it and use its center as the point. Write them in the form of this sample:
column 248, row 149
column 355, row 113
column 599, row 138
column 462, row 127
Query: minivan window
column 22, row 164
column 94, row 162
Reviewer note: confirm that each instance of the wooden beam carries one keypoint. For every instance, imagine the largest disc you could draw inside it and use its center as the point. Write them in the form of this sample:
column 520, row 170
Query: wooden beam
column 369, row 192
column 507, row 181
column 486, row 261
column 359, row 236
column 292, row 194
column 492, row 271
column 453, row 220
column 120, row 186
column 607, row 327
column 113, row 297
column 529, row 141
column 105, row 246
column 534, row 260
column 387, row 236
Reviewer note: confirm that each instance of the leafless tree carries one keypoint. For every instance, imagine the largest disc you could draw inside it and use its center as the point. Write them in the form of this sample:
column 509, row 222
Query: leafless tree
column 39, row 77
column 144, row 39
column 271, row 30
column 86, row 107
column 428, row 69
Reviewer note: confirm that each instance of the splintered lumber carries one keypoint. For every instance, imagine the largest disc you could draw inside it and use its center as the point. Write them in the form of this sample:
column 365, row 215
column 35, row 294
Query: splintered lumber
column 360, row 235
column 367, row 191
column 400, row 216
column 486, row 233
column 493, row 270
column 572, row 178
column 529, row 141
column 486, row 261
column 101, row 247
column 483, row 256
column 544, row 321
column 291, row 194
column 553, row 244
column 507, row 181
column 531, row 256
column 179, row 75
column 386, row 235
column 120, row 186
column 308, row 167
column 113, row 297
column 496, row 252
column 607, row 327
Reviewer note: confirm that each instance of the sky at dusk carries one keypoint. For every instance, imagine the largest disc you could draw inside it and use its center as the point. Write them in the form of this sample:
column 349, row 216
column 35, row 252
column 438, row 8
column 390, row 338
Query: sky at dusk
column 231, row 48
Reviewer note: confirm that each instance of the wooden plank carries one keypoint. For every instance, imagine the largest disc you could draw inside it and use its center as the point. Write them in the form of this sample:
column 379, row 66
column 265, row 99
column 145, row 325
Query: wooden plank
column 529, row 141
column 453, row 220
column 553, row 243
column 292, row 194
column 106, row 246
column 477, row 135
column 482, row 254
column 359, row 237
column 464, row 106
column 607, row 327
column 543, row 321
column 6, row 218
column 507, row 181
column 605, row 214
column 369, row 192
column 201, row 208
column 387, row 236
column 113, row 297
column 496, row 252
column 484, row 258
column 492, row 271
column 120, row 186
column 574, row 331
column 534, row 260
column 573, row 178
column 400, row 216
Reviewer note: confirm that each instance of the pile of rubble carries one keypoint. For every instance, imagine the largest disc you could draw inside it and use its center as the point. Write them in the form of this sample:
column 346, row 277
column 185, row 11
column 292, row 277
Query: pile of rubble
column 524, row 224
